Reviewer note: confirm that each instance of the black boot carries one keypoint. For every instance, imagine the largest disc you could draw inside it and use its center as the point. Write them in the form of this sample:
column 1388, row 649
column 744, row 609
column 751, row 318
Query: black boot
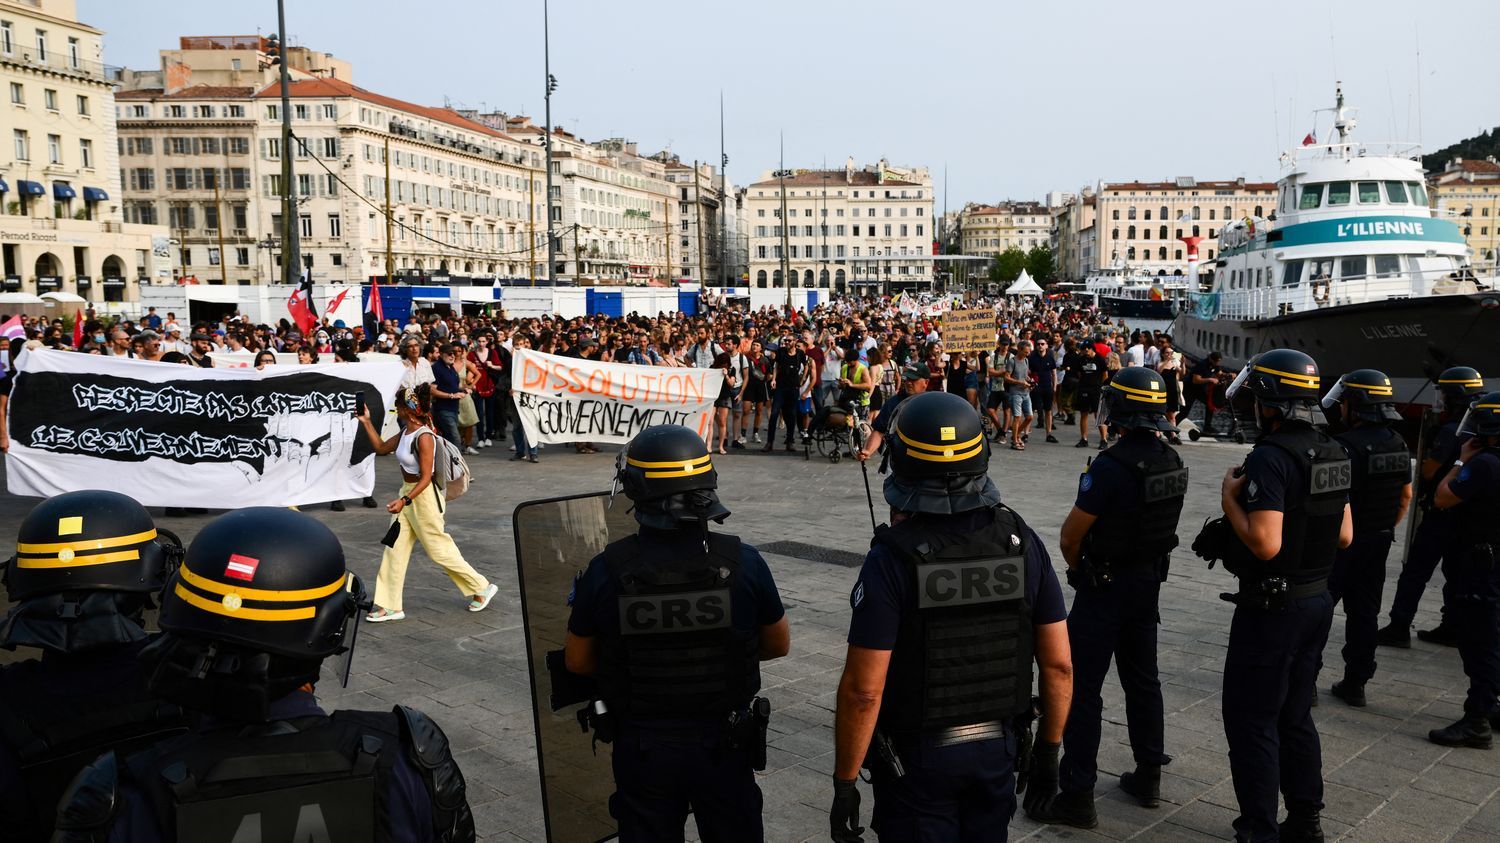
column 1075, row 809
column 337, row 506
column 1444, row 634
column 1394, row 634
column 1144, row 783
column 1302, row 828
column 1473, row 732
column 1350, row 692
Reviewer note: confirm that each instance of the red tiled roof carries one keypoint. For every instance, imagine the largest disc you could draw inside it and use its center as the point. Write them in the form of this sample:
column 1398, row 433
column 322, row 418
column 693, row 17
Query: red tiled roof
column 1264, row 186
column 816, row 178
column 339, row 88
column 1478, row 165
column 196, row 92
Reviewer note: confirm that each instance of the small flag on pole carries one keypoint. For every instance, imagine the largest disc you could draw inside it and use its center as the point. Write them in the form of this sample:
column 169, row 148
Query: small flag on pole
column 300, row 305
column 1310, row 140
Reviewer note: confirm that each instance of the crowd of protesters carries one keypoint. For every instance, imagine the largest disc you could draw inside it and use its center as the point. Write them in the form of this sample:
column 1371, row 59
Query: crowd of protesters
column 1045, row 371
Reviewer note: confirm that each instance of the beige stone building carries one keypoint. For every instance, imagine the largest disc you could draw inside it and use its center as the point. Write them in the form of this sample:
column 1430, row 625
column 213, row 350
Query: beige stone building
column 1468, row 189
column 1139, row 222
column 869, row 227
column 696, row 226
column 61, row 226
column 201, row 146
column 992, row 229
column 1074, row 236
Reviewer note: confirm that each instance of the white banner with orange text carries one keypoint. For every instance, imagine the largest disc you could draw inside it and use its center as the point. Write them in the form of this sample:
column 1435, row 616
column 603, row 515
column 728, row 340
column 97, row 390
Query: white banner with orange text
column 570, row 399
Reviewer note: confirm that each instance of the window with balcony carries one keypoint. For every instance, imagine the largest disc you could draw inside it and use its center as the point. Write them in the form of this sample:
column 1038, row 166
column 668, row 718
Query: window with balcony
column 41, row 45
column 304, row 224
column 22, row 145
column 7, row 37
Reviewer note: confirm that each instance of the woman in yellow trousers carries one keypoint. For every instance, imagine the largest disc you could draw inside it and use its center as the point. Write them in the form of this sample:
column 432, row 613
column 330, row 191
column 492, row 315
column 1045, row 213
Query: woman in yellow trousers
column 418, row 511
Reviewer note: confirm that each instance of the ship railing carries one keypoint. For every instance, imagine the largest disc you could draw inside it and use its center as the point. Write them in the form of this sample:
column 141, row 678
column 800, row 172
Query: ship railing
column 1316, row 294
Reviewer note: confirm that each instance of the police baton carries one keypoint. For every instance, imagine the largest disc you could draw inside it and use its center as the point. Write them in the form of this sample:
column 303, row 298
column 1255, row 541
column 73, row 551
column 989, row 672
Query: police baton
column 864, row 469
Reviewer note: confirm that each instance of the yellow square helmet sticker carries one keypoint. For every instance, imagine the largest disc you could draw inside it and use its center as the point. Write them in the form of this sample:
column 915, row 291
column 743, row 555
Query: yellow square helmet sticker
column 948, row 434
column 70, row 526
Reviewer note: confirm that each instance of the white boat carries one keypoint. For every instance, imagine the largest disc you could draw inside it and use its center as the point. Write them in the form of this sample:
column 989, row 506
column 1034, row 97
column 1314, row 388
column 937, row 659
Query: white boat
column 1121, row 291
column 1353, row 268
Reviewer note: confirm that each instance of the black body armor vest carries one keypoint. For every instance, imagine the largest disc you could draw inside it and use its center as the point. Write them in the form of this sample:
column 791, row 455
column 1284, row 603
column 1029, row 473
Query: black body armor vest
column 965, row 654
column 57, row 717
column 306, row 778
column 1477, row 521
column 678, row 654
column 1313, row 511
column 1137, row 535
column 1381, row 469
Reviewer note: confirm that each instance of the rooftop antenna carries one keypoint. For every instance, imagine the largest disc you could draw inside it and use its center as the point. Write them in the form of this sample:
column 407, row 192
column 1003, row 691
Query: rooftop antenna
column 1275, row 115
column 1419, row 83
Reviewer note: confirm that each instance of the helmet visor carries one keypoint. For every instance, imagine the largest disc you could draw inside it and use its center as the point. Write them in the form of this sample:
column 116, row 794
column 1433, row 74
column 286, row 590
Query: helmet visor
column 1238, row 383
column 1482, row 419
column 360, row 603
column 1335, row 395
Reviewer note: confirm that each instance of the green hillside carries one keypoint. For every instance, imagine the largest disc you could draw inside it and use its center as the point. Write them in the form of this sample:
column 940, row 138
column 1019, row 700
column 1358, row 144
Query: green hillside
column 1480, row 146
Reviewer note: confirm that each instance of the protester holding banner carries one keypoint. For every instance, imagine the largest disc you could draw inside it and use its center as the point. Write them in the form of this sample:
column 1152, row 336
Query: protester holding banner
column 417, row 515
column 519, row 343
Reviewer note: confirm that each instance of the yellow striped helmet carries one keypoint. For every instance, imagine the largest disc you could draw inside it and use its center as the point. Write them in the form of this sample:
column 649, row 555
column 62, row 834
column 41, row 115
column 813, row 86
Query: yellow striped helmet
column 939, row 457
column 90, row 540
column 1137, row 397
column 1458, row 387
column 268, row 579
column 1369, row 394
column 667, row 471
column 1283, row 378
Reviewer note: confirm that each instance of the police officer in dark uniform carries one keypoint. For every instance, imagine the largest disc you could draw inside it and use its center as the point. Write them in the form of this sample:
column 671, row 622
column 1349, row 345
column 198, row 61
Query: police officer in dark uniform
column 87, row 564
column 1362, row 404
column 1116, row 541
column 673, row 622
column 1287, row 513
column 1470, row 490
column 261, row 600
column 954, row 603
column 1457, row 388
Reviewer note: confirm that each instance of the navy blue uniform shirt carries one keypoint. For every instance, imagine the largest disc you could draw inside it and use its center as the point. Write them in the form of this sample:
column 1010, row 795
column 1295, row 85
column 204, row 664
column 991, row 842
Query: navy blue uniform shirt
column 1270, row 473
column 1105, row 486
column 888, row 412
column 885, row 590
column 1478, row 479
column 754, row 602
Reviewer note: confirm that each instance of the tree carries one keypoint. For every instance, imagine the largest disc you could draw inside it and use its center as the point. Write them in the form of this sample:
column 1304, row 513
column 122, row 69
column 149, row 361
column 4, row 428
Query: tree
column 1040, row 264
column 1008, row 266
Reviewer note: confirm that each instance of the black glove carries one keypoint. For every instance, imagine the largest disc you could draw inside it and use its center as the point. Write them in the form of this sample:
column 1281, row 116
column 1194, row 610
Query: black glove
column 1042, row 786
column 843, row 817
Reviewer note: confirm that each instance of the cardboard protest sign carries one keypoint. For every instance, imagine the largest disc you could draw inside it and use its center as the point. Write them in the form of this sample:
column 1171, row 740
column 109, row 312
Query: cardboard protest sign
column 967, row 331
column 569, row 399
column 173, row 435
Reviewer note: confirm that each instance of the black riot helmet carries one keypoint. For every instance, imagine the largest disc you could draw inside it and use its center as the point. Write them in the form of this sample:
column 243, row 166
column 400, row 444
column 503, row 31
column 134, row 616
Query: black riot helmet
column 1282, row 378
column 86, row 565
column 939, row 457
column 1457, row 387
column 1136, row 397
column 1483, row 417
column 1368, row 393
column 261, row 599
column 667, row 472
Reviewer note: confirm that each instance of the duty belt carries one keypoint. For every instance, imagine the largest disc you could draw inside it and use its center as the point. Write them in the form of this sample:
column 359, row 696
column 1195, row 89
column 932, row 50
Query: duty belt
column 1283, row 589
column 954, row 735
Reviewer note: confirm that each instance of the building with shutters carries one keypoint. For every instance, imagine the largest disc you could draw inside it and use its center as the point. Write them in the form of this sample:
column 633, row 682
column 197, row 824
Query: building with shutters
column 1139, row 223
column 62, row 229
column 1468, row 190
column 869, row 228
column 992, row 229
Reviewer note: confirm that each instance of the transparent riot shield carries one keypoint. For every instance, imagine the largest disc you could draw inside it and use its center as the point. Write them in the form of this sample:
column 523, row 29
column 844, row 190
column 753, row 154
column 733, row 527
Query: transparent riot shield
column 1426, row 432
column 555, row 539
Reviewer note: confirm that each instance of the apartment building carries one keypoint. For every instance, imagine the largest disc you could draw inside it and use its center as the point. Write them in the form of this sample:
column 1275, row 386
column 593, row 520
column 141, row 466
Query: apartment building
column 1468, row 190
column 992, row 229
column 1139, row 223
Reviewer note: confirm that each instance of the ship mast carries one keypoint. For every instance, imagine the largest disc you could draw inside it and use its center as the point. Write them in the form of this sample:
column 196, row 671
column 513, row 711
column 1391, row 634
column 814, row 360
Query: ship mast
column 1342, row 122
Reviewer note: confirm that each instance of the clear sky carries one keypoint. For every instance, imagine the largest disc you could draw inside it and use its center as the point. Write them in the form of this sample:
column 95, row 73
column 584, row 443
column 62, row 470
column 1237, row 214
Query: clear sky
column 1010, row 99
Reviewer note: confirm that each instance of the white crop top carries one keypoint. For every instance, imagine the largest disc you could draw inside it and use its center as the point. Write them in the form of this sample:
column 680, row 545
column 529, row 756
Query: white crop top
column 406, row 452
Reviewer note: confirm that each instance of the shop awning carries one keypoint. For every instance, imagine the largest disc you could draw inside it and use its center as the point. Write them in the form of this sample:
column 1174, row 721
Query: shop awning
column 31, row 188
column 62, row 191
column 4, row 188
column 94, row 194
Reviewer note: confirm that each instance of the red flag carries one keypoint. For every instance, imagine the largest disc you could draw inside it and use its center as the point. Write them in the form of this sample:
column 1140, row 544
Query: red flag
column 300, row 305
column 1310, row 139
column 337, row 300
column 374, row 312
column 78, row 331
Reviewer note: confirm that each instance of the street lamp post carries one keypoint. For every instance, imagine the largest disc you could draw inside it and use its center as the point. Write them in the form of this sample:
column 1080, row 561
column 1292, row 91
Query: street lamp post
column 547, row 140
column 291, row 261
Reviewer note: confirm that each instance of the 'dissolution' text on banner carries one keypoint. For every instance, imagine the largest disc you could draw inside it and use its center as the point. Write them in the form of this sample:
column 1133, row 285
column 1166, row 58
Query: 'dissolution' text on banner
column 569, row 399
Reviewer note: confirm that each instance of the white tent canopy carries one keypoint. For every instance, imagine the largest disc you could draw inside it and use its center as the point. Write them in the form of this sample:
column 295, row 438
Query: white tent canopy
column 70, row 298
column 19, row 298
column 1024, row 286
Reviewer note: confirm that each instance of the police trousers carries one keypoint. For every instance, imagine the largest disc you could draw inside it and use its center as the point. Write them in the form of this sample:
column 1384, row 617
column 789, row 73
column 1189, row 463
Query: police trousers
column 662, row 774
column 422, row 521
column 964, row 793
column 1357, row 580
column 1472, row 594
column 1422, row 559
column 1116, row 621
column 1269, row 676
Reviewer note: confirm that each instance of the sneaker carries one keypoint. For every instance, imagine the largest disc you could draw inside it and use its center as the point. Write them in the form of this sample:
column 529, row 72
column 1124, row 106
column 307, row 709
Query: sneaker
column 1052, row 439
column 368, row 502
column 471, row 451
column 738, row 444
column 531, row 458
column 337, row 506
column 756, row 437
column 1394, row 635
column 1082, row 443
column 1443, row 634
column 480, row 601
column 1103, row 445
column 383, row 615
column 1349, row 692
column 485, row 444
column 511, row 447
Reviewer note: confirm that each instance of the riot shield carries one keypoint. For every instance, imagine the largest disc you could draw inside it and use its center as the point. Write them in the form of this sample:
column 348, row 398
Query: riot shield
column 555, row 539
column 1425, row 434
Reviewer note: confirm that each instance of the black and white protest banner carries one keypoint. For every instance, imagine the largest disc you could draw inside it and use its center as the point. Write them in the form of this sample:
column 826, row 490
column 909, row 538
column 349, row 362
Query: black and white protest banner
column 569, row 399
column 174, row 435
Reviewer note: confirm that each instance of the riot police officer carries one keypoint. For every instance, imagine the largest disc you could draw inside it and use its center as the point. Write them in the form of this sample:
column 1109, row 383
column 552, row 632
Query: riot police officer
column 1116, row 541
column 954, row 603
column 1470, row 490
column 86, row 566
column 1362, row 404
column 673, row 623
column 261, row 600
column 1457, row 388
column 1288, row 514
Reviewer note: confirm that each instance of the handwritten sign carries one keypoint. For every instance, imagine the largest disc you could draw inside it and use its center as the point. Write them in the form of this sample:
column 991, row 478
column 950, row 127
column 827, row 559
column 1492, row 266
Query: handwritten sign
column 969, row 330
column 568, row 399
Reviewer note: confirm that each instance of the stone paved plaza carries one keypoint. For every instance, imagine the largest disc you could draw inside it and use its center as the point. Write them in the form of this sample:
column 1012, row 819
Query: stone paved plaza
column 1385, row 782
